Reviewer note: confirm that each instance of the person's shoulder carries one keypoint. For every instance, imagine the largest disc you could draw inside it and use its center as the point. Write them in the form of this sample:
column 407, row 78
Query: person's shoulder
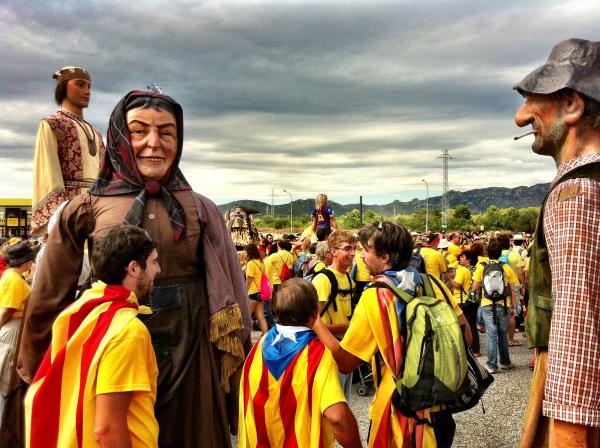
column 206, row 207
column 80, row 205
column 53, row 119
column 327, row 361
column 322, row 278
column 254, row 265
column 9, row 277
column 514, row 257
column 134, row 329
column 337, row 273
column 479, row 267
column 508, row 268
column 369, row 294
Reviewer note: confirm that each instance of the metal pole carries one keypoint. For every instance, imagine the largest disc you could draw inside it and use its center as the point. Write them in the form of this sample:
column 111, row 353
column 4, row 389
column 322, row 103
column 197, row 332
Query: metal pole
column 291, row 209
column 272, row 202
column 427, row 207
column 361, row 212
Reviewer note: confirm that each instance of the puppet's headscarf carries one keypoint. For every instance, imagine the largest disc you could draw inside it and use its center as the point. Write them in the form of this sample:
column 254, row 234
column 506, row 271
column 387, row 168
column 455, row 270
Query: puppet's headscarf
column 119, row 173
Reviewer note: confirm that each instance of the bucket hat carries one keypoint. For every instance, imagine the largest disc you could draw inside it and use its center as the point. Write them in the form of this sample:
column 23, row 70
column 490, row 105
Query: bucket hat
column 18, row 254
column 573, row 63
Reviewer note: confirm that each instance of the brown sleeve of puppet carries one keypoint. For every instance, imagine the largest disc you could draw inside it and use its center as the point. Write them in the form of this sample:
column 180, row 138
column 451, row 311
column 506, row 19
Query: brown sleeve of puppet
column 230, row 322
column 54, row 285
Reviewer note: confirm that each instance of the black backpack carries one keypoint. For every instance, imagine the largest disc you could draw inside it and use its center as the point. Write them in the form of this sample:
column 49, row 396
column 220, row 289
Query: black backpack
column 417, row 261
column 335, row 290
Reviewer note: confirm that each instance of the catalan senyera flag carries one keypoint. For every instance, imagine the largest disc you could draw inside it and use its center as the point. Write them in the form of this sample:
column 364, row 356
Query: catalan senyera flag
column 287, row 384
column 60, row 403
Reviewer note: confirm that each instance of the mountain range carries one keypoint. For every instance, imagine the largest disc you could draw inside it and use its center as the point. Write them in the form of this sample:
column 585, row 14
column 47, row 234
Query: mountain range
column 477, row 201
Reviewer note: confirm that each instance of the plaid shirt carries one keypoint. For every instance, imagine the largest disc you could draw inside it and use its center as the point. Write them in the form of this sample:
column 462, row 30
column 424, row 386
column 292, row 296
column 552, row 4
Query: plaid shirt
column 572, row 227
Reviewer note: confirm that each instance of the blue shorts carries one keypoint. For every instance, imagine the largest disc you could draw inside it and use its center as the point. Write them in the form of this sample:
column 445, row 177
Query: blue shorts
column 255, row 297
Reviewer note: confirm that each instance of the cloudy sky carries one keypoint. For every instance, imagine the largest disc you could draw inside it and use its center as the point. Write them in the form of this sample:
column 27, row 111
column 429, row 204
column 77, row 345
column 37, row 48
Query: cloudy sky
column 343, row 97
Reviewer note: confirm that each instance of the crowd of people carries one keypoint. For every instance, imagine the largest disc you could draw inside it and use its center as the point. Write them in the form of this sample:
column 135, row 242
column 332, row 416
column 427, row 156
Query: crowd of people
column 152, row 345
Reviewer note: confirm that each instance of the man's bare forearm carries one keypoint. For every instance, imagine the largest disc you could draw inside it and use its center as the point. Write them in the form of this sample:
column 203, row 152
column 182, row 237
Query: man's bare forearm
column 343, row 425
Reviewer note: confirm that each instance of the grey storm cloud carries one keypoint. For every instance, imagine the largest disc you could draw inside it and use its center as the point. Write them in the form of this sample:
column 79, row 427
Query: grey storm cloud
column 336, row 96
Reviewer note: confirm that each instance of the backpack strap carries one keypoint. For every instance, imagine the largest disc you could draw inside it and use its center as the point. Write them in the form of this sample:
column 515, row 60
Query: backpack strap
column 441, row 288
column 402, row 295
column 427, row 286
column 590, row 171
column 334, row 290
column 261, row 273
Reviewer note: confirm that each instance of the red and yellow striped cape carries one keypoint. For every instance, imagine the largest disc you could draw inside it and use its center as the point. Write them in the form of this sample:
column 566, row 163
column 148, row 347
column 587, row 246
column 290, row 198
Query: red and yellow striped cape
column 60, row 403
column 285, row 412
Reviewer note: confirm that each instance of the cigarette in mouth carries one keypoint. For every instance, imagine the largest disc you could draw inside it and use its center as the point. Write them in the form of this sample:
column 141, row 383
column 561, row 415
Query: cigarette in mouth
column 524, row 135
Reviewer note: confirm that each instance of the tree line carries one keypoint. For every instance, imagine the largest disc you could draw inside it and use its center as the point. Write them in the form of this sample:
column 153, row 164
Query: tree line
column 460, row 218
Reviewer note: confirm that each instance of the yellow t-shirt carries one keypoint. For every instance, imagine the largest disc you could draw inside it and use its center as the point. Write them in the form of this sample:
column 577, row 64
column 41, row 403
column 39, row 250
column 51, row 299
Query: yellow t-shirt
column 434, row 261
column 254, row 270
column 362, row 273
column 276, row 261
column 343, row 301
column 14, row 291
column 515, row 261
column 463, row 276
column 319, row 266
column 450, row 260
column 454, row 250
column 128, row 364
column 509, row 276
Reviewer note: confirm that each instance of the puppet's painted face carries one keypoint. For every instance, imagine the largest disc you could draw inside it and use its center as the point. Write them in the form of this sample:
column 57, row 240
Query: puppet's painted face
column 153, row 135
column 78, row 92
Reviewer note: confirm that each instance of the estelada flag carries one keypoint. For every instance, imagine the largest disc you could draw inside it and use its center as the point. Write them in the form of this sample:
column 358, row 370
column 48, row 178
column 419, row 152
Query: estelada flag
column 60, row 403
column 286, row 385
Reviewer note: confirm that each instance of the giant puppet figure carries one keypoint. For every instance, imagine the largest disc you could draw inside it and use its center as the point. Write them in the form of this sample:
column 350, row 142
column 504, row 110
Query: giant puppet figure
column 200, row 326
column 67, row 150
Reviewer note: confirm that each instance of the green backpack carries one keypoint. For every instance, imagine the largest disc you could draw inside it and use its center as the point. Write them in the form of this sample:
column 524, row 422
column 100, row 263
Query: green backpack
column 435, row 359
column 540, row 305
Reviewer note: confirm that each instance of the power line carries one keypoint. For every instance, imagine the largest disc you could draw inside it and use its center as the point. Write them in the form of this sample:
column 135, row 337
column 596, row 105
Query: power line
column 445, row 201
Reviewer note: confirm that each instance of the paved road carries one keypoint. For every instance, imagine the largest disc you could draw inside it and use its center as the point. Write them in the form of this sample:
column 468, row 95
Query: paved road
column 504, row 402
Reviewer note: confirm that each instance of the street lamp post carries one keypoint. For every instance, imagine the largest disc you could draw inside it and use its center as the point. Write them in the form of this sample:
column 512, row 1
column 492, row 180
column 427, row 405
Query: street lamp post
column 426, row 207
column 291, row 210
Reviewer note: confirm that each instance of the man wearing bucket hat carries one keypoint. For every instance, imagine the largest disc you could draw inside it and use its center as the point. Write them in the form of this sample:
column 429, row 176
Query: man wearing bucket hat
column 14, row 291
column 562, row 103
column 67, row 149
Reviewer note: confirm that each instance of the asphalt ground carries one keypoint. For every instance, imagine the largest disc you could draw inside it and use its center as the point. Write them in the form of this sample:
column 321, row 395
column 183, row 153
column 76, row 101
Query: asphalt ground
column 504, row 403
